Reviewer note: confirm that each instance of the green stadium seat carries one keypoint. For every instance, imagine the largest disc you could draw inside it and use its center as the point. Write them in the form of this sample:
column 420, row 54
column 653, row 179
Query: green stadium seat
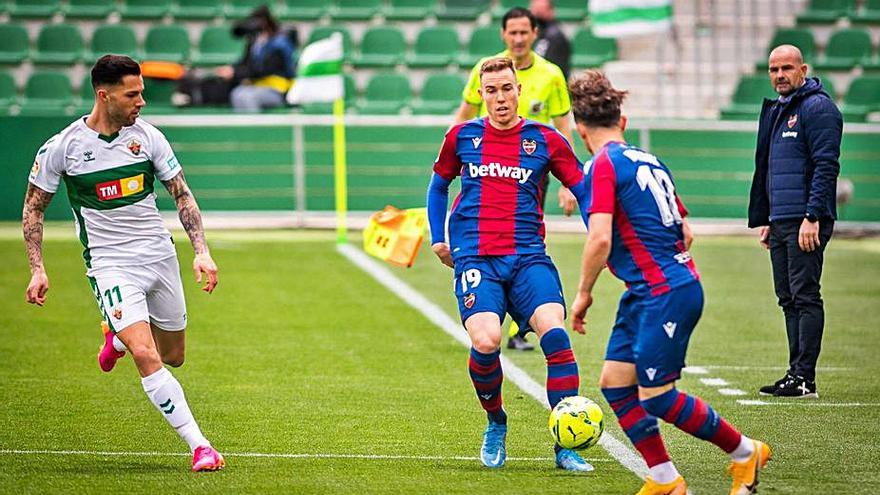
column 441, row 95
column 826, row 11
column 846, row 49
column 355, row 10
column 571, row 10
column 86, row 96
column 145, row 9
column 827, row 83
column 409, row 10
column 322, row 32
column 381, row 47
column 33, row 9
column 505, row 5
column 869, row 13
column 8, row 92
column 304, row 10
column 435, row 47
column 239, row 9
column 58, row 44
column 217, row 46
column 15, row 43
column 862, row 98
column 799, row 37
column 197, row 9
column 591, row 51
column 748, row 98
column 485, row 41
column 47, row 93
column 157, row 93
column 327, row 108
column 89, row 9
column 461, row 10
column 169, row 43
column 113, row 38
column 386, row 94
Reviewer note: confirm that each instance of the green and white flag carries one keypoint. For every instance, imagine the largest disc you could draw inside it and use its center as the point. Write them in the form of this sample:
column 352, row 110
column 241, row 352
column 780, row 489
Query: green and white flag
column 622, row 18
column 319, row 72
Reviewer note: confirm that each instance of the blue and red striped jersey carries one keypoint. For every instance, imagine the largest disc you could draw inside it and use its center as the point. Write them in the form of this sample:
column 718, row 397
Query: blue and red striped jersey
column 647, row 247
column 498, row 211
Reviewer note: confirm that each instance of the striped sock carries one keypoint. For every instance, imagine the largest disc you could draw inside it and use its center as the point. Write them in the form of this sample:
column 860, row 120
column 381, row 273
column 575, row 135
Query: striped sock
column 486, row 375
column 562, row 370
column 640, row 427
column 692, row 415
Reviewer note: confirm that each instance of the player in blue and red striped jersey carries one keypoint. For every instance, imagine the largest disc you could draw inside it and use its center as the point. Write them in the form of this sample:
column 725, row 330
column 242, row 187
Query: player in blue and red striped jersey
column 636, row 226
column 496, row 244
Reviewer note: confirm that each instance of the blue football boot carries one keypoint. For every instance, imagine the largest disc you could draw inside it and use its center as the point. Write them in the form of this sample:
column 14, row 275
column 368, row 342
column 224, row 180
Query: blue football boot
column 570, row 461
column 494, row 452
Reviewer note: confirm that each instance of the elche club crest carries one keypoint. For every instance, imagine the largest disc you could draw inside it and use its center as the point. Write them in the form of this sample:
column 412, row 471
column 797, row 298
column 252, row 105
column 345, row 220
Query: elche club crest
column 792, row 121
column 117, row 313
column 529, row 146
column 134, row 146
column 469, row 300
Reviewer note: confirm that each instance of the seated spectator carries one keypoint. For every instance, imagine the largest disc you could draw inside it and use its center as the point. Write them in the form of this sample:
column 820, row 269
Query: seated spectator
column 265, row 72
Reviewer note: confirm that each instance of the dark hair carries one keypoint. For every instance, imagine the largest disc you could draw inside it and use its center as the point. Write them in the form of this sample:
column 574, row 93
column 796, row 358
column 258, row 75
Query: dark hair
column 110, row 69
column 594, row 101
column 497, row 64
column 516, row 13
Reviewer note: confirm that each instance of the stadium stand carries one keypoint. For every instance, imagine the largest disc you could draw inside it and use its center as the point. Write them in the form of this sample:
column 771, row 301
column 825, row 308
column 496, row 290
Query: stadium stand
column 484, row 41
column 14, row 48
column 590, row 51
column 145, row 9
column 89, row 9
column 846, row 49
column 381, row 47
column 239, row 9
column 351, row 94
column 197, row 9
column 868, row 14
column 8, row 92
column 355, row 10
column 747, row 100
column 826, row 11
column 303, row 10
column 58, row 44
column 440, row 95
column 33, row 9
column 862, row 98
column 113, row 38
column 797, row 36
column 461, row 10
column 168, row 43
column 409, row 10
column 47, row 93
column 322, row 32
column 217, row 46
column 387, row 93
column 435, row 47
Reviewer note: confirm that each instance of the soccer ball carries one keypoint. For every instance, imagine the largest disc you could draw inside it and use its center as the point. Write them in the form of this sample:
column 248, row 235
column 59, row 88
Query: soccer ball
column 576, row 423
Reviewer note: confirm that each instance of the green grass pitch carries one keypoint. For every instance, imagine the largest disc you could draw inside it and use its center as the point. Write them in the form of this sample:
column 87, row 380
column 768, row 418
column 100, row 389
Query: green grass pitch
column 300, row 353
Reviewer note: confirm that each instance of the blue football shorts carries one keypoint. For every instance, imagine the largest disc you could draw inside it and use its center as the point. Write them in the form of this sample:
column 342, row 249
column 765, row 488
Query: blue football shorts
column 515, row 284
column 653, row 332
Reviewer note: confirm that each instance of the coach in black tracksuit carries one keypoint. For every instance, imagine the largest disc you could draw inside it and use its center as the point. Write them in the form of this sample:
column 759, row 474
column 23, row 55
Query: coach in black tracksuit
column 793, row 203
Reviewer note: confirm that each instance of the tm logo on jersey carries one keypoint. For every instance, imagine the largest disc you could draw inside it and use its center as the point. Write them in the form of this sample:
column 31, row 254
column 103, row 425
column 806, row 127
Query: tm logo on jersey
column 496, row 169
column 120, row 188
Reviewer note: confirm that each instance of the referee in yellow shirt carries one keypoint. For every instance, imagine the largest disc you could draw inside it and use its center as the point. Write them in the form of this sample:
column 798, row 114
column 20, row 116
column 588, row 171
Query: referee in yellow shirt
column 544, row 98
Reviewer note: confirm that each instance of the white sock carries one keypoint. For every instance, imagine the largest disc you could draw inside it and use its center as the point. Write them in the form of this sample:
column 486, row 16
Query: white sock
column 664, row 472
column 744, row 451
column 118, row 345
column 166, row 394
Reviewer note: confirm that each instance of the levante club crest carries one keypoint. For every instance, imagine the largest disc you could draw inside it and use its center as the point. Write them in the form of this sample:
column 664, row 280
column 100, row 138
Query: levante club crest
column 529, row 146
column 134, row 146
column 469, row 300
column 792, row 121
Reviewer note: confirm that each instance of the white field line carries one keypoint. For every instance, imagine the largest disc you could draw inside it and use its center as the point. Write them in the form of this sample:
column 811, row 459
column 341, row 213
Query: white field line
column 514, row 373
column 695, row 370
column 805, row 403
column 274, row 455
column 731, row 391
column 714, row 382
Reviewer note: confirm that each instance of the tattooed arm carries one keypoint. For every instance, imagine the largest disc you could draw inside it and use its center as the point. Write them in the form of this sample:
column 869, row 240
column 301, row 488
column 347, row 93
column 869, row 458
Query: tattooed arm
column 191, row 219
column 35, row 202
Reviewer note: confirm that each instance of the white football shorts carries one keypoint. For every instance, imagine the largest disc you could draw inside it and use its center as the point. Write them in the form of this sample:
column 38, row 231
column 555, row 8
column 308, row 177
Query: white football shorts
column 151, row 293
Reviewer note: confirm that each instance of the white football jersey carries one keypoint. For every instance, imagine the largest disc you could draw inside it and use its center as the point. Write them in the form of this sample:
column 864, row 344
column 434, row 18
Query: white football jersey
column 109, row 182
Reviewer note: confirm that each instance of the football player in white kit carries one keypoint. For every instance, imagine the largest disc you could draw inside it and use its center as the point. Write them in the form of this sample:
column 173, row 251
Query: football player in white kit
column 108, row 161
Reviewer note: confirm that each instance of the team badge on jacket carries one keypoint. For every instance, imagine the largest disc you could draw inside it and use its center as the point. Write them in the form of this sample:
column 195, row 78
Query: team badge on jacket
column 469, row 300
column 792, row 121
column 529, row 146
column 134, row 146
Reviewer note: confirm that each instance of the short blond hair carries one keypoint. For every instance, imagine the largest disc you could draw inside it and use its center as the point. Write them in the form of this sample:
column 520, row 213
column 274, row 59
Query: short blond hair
column 497, row 64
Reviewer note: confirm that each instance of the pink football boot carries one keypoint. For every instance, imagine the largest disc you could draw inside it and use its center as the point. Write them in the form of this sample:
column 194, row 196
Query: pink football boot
column 108, row 356
column 205, row 458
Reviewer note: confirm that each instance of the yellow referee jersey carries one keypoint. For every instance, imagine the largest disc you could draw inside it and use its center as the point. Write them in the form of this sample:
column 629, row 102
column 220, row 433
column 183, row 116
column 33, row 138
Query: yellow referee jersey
column 544, row 92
